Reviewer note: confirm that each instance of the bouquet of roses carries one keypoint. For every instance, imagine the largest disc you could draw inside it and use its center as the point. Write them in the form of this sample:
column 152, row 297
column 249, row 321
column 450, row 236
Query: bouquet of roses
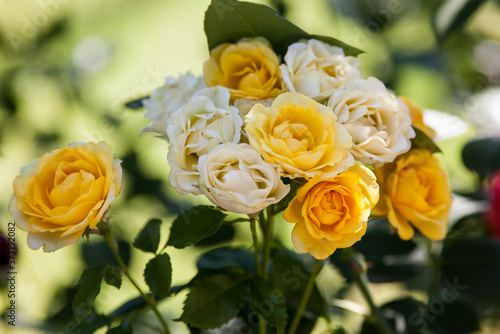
column 281, row 123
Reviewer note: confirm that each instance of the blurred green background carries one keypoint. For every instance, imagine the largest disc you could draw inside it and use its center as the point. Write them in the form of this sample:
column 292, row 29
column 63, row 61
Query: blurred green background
column 67, row 67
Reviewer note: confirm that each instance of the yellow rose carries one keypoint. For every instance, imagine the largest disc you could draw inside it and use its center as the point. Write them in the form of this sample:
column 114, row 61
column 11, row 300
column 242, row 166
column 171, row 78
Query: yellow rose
column 67, row 190
column 301, row 136
column 249, row 69
column 417, row 117
column 331, row 214
column 415, row 189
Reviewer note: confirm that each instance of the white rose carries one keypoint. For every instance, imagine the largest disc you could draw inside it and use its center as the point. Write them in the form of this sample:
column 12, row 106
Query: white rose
column 204, row 122
column 236, row 178
column 379, row 122
column 316, row 69
column 166, row 99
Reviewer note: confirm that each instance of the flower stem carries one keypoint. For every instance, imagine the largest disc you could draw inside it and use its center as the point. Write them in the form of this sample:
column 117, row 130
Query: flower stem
column 358, row 267
column 255, row 246
column 106, row 233
column 305, row 298
column 268, row 238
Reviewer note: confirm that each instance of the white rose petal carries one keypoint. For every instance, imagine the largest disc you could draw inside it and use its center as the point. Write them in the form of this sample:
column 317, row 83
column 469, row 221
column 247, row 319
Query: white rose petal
column 236, row 178
column 204, row 122
column 166, row 99
column 379, row 122
column 316, row 69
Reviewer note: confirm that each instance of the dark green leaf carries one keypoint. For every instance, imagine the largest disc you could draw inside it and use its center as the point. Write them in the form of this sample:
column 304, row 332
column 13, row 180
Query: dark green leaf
column 290, row 274
column 149, row 237
column 113, row 276
column 98, row 253
column 471, row 266
column 224, row 234
column 283, row 204
column 216, row 299
column 421, row 140
column 136, row 104
column 269, row 303
column 89, row 325
column 129, row 306
column 227, row 21
column 482, row 155
column 389, row 258
column 89, row 287
column 226, row 256
column 404, row 315
column 123, row 328
column 451, row 314
column 194, row 225
column 450, row 15
column 158, row 275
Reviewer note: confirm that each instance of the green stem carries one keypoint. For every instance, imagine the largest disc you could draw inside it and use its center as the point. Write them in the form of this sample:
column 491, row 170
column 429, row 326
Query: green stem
column 105, row 232
column 255, row 246
column 268, row 238
column 262, row 323
column 305, row 298
column 358, row 267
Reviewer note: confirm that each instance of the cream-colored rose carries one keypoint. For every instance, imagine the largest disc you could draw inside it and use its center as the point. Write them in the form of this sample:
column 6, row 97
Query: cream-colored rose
column 206, row 121
column 316, row 69
column 236, row 178
column 57, row 197
column 168, row 98
column 301, row 136
column 379, row 122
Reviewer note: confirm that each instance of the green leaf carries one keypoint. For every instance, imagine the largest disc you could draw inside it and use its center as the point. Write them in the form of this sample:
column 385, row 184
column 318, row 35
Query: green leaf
column 482, row 155
column 283, row 204
column 450, row 15
column 129, row 306
column 226, row 256
column 158, row 275
column 290, row 274
column 216, row 299
column 194, row 225
column 149, row 237
column 123, row 328
column 113, row 276
column 89, row 287
column 390, row 258
column 227, row 21
column 89, row 325
column 269, row 303
column 421, row 140
column 470, row 266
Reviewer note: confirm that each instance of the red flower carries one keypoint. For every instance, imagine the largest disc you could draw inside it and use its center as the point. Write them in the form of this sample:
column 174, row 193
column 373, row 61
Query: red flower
column 493, row 214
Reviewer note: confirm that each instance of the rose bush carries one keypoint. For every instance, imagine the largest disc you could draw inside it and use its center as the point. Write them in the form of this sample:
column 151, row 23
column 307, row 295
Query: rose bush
column 57, row 197
column 299, row 135
column 249, row 69
column 415, row 191
column 236, row 178
column 333, row 213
